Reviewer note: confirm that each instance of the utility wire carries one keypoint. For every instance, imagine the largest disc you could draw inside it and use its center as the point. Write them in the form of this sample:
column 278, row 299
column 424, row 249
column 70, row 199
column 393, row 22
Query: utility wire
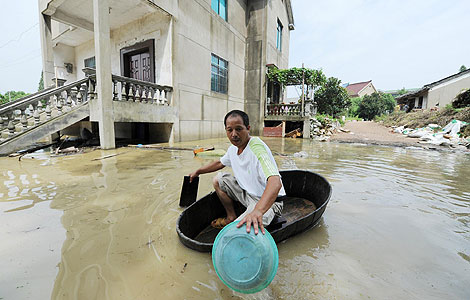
column 19, row 37
column 21, row 60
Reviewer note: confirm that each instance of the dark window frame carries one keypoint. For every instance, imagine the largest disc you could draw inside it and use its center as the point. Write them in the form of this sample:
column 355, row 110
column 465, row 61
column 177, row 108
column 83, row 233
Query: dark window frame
column 420, row 102
column 86, row 62
column 127, row 52
column 219, row 74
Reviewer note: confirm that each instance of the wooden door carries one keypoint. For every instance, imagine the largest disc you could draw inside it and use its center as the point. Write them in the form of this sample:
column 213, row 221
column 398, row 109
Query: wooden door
column 140, row 67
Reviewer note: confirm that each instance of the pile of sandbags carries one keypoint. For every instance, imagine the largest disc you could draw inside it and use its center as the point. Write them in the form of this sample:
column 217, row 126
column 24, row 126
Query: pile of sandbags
column 432, row 134
column 323, row 130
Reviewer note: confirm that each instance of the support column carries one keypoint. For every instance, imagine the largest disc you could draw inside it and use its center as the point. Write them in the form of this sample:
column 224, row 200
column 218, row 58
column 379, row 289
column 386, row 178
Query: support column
column 103, row 73
column 46, row 47
column 306, row 128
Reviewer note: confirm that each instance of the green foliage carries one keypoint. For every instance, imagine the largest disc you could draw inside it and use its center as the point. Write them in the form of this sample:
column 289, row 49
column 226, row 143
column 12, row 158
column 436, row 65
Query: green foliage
column 353, row 118
column 402, row 91
column 449, row 107
column 462, row 99
column 332, row 98
column 41, row 83
column 375, row 105
column 11, row 96
column 463, row 68
column 354, row 108
column 293, row 76
column 421, row 118
column 325, row 120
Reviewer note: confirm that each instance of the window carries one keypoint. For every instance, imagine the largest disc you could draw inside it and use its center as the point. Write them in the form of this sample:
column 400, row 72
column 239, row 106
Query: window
column 274, row 92
column 220, row 7
column 420, row 102
column 279, row 36
column 90, row 63
column 219, row 74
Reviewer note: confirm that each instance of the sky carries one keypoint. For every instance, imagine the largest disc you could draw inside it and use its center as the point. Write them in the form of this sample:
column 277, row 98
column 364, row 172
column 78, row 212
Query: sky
column 394, row 43
column 20, row 46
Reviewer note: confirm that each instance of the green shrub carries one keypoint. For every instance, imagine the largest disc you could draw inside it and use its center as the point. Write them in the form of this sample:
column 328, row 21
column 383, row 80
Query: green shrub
column 375, row 105
column 462, row 99
column 354, row 108
column 322, row 118
column 332, row 98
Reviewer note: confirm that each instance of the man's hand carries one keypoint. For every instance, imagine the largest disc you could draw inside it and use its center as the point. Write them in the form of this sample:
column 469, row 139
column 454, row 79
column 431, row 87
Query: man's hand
column 255, row 218
column 193, row 175
column 210, row 167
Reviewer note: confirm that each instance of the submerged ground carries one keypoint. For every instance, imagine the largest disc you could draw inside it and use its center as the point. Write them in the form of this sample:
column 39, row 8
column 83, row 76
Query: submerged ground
column 80, row 227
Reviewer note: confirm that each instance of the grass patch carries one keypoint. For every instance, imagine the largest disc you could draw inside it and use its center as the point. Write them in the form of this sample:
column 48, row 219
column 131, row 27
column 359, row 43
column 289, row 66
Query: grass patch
column 418, row 119
column 323, row 119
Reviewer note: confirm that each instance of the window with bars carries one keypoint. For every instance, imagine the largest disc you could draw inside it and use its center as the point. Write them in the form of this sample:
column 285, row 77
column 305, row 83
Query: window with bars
column 220, row 7
column 219, row 75
column 90, row 62
column 279, row 35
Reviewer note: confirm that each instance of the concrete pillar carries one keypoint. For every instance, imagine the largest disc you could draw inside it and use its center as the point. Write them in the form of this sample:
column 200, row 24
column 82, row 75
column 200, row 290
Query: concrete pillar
column 46, row 47
column 103, row 73
column 306, row 129
column 45, row 32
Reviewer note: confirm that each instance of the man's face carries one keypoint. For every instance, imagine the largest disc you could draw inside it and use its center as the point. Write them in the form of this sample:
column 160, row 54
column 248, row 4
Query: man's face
column 237, row 133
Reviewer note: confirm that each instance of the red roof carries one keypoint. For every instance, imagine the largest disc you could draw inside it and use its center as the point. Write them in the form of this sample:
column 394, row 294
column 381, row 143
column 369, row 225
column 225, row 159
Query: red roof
column 354, row 88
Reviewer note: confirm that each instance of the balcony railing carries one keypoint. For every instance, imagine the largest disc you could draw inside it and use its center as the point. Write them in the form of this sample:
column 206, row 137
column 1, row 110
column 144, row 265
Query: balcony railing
column 280, row 109
column 33, row 110
column 292, row 110
column 24, row 114
column 128, row 89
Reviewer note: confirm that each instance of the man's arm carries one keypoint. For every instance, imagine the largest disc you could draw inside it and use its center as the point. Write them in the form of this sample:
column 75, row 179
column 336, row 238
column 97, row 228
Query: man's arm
column 273, row 186
column 211, row 167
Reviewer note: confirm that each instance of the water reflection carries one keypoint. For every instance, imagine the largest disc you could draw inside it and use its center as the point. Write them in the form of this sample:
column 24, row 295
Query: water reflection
column 397, row 218
column 26, row 188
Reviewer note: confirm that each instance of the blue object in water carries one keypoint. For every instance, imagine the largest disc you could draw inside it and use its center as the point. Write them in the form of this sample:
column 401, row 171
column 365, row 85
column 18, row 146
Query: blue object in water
column 245, row 262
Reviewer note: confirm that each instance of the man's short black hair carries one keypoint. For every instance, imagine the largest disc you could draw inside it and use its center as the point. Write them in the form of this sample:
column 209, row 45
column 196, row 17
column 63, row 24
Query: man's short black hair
column 240, row 113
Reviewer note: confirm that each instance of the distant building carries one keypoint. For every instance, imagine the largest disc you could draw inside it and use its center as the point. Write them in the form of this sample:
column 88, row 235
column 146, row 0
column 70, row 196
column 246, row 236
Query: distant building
column 438, row 93
column 397, row 93
column 360, row 89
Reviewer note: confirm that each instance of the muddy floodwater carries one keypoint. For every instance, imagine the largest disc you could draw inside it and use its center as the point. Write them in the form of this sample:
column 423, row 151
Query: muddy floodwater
column 79, row 227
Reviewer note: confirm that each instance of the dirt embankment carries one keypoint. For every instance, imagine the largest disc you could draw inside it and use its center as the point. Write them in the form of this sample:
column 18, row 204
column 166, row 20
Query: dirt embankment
column 370, row 132
column 422, row 118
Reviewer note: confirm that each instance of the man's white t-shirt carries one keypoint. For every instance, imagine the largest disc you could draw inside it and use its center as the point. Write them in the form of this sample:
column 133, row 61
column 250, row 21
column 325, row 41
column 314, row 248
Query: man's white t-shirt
column 252, row 167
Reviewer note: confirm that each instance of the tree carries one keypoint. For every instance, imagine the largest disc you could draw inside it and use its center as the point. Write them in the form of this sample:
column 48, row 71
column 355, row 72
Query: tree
column 41, row 83
column 375, row 105
column 463, row 68
column 354, row 108
column 332, row 98
column 402, row 91
column 11, row 96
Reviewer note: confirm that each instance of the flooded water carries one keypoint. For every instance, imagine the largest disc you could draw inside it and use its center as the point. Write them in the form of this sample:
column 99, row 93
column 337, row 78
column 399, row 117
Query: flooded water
column 80, row 227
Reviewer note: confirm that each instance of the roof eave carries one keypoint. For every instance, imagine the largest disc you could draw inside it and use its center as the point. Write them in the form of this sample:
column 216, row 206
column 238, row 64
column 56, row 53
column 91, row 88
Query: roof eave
column 412, row 94
column 290, row 15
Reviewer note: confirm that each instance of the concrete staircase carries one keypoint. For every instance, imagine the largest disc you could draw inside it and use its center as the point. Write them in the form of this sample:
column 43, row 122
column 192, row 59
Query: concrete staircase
column 27, row 120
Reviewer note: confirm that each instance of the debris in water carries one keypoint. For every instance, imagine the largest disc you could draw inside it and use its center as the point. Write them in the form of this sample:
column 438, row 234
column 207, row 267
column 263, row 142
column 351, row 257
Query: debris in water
column 184, row 267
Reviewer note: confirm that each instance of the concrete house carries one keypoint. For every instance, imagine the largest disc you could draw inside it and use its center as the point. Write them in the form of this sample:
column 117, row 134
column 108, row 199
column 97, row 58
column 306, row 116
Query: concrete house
column 438, row 93
column 196, row 59
column 360, row 89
